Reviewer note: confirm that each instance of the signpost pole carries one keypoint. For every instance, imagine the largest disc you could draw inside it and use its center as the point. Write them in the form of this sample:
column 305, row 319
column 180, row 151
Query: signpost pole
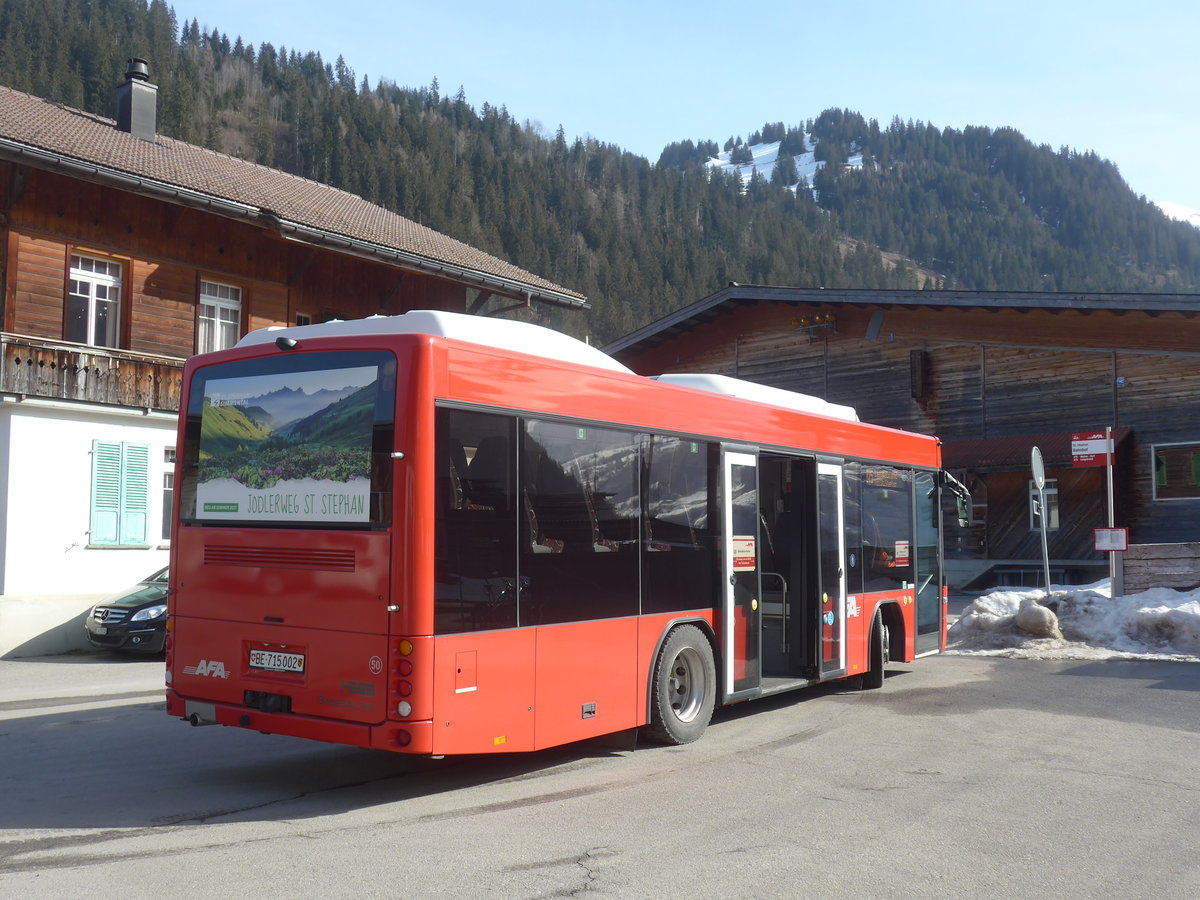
column 1108, row 462
column 1039, row 479
column 1115, row 578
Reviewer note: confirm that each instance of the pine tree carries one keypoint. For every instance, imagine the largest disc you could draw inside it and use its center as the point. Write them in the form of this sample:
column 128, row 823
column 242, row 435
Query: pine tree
column 979, row 207
column 785, row 172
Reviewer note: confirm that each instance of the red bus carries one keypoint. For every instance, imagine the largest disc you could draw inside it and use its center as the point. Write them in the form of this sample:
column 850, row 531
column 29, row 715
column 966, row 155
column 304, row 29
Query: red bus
column 440, row 534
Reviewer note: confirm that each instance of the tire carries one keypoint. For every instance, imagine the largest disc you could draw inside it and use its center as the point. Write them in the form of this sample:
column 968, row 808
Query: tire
column 879, row 649
column 684, row 690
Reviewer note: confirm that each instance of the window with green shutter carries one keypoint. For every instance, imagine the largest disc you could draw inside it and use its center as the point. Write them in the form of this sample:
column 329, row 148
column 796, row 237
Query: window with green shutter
column 120, row 494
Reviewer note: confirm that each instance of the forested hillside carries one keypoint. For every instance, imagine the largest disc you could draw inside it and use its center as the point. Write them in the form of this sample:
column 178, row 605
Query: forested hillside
column 980, row 208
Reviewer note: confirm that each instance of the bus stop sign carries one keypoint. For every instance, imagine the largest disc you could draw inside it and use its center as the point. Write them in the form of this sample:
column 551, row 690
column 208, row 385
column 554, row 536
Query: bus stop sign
column 1089, row 448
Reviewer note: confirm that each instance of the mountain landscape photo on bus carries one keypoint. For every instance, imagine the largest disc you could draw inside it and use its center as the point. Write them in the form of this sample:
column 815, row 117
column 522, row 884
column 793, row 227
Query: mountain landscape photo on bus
column 290, row 447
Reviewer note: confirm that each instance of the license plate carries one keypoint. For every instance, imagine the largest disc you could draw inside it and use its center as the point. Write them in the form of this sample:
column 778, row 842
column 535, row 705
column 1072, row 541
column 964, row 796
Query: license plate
column 276, row 661
column 98, row 629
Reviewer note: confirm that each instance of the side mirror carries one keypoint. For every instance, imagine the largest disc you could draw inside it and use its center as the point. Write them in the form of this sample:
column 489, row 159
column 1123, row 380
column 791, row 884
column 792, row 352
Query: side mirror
column 964, row 510
column 962, row 498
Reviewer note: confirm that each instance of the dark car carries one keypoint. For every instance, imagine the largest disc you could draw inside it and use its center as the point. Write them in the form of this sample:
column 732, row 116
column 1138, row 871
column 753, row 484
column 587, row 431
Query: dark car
column 133, row 620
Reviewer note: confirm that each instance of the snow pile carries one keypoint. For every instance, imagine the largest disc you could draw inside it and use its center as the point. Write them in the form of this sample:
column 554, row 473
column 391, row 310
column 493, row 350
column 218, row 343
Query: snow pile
column 1081, row 623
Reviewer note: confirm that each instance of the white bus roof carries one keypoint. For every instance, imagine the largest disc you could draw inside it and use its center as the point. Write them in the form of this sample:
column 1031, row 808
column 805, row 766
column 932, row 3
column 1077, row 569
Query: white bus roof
column 524, row 337
column 506, row 334
column 748, row 390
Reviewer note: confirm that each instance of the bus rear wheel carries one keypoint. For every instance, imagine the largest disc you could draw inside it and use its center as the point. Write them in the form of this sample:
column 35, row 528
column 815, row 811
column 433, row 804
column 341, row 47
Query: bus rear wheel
column 684, row 689
column 880, row 650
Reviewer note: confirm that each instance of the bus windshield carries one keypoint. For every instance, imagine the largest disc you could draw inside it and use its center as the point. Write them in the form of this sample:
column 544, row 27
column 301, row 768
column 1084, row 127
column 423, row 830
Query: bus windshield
column 298, row 440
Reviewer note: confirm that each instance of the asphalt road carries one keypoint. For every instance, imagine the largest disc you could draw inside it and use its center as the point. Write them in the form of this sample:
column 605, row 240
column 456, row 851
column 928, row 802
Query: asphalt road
column 963, row 777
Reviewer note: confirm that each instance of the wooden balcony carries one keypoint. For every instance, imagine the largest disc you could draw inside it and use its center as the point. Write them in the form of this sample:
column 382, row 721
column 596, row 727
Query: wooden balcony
column 57, row 370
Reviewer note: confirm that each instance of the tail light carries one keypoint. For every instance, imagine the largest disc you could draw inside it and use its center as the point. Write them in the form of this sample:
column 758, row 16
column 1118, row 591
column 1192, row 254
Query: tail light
column 401, row 686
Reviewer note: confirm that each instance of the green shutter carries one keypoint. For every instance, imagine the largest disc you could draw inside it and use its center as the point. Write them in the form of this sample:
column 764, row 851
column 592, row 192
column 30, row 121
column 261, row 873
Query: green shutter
column 120, row 493
column 135, row 493
column 106, row 492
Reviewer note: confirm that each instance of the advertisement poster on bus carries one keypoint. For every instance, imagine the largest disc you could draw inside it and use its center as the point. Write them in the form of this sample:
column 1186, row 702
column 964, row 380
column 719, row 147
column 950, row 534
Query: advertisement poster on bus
column 288, row 447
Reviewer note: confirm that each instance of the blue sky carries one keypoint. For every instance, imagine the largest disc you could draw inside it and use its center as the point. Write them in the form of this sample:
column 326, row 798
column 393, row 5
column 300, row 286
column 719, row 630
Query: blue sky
column 1118, row 78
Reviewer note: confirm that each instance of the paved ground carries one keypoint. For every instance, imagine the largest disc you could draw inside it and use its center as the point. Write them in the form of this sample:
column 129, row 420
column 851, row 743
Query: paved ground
column 963, row 777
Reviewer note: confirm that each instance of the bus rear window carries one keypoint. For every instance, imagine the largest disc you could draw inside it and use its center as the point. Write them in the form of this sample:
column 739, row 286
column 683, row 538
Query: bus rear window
column 301, row 439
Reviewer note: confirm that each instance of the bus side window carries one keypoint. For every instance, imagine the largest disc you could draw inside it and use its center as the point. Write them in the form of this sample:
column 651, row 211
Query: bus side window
column 475, row 523
column 579, row 556
column 680, row 562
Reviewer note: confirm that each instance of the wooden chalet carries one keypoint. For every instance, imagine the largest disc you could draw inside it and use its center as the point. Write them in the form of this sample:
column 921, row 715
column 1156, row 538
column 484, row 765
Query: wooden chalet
column 993, row 374
column 122, row 252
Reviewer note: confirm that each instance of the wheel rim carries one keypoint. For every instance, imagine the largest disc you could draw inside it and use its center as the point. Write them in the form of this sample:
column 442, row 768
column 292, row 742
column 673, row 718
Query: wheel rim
column 686, row 685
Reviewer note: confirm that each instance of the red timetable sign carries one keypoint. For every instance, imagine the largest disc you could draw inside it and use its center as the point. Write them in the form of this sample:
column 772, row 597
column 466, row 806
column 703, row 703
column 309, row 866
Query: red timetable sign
column 1089, row 448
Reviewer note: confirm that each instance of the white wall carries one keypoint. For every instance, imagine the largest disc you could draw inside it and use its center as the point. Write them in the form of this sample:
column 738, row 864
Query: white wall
column 47, row 569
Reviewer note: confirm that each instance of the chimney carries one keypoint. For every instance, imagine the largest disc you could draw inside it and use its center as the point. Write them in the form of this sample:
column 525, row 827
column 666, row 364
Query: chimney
column 137, row 101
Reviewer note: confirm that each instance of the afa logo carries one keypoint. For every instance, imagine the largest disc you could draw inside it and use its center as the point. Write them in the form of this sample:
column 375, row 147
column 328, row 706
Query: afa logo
column 214, row 669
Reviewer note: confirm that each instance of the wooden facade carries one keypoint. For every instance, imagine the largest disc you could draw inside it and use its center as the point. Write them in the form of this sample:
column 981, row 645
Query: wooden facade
column 997, row 368
column 164, row 251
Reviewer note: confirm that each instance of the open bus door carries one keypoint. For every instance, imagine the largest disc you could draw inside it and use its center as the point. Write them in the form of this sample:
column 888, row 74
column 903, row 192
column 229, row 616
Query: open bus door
column 832, row 534
column 928, row 571
column 741, row 623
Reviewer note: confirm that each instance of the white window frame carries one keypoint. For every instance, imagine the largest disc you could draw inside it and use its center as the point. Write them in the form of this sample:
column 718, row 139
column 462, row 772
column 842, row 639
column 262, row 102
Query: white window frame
column 219, row 322
column 94, row 281
column 168, row 495
column 1051, row 492
column 1194, row 447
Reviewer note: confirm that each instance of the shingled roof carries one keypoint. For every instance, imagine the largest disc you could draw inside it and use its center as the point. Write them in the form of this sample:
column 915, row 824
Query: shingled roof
column 42, row 134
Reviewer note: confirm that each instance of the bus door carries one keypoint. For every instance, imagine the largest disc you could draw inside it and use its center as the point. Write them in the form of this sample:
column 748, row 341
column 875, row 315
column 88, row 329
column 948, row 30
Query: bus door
column 928, row 568
column 832, row 533
column 740, row 550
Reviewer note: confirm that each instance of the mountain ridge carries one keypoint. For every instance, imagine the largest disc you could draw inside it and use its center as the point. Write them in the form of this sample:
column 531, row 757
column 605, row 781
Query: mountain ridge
column 980, row 208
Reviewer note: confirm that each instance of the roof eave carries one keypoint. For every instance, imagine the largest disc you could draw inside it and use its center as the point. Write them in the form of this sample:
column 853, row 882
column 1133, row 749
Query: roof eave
column 25, row 154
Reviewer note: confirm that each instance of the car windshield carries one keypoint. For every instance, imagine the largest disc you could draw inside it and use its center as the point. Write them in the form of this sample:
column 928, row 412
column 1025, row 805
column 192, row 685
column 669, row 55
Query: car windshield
column 159, row 577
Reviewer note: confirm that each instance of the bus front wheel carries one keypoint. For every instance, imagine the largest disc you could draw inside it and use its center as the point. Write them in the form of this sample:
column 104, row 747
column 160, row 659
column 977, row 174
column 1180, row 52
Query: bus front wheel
column 684, row 689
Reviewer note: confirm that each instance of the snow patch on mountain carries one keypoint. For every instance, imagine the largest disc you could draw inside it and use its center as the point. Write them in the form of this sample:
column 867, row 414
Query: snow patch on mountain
column 765, row 157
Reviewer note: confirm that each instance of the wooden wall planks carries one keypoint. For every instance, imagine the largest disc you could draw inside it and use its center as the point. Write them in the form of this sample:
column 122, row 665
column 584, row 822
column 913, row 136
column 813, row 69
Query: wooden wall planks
column 164, row 251
column 991, row 373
